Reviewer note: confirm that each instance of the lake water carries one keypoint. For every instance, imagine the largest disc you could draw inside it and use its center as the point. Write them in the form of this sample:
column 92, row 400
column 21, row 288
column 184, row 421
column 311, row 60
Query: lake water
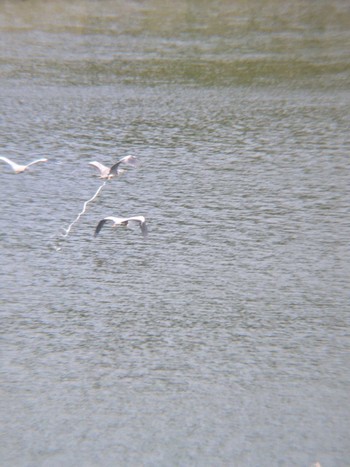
column 223, row 338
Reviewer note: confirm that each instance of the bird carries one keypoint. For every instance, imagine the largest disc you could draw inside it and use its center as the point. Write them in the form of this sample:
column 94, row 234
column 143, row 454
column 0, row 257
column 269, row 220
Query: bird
column 123, row 221
column 18, row 168
column 110, row 172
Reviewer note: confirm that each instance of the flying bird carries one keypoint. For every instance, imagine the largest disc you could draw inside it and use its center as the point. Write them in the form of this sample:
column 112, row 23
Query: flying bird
column 110, row 172
column 123, row 221
column 18, row 168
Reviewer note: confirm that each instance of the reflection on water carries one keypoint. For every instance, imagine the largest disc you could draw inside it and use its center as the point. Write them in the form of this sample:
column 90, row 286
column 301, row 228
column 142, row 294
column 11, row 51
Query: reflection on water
column 222, row 339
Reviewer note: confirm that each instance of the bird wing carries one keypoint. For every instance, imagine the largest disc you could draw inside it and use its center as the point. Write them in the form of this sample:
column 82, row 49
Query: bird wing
column 142, row 223
column 11, row 163
column 138, row 219
column 36, row 161
column 102, row 168
column 130, row 160
column 144, row 229
column 102, row 223
column 114, row 169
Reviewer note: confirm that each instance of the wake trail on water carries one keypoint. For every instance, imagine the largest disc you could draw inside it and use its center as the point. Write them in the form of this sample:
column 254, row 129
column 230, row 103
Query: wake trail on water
column 67, row 231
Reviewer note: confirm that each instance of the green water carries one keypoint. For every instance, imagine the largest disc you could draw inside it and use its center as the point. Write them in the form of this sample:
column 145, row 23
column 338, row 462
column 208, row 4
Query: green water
column 223, row 43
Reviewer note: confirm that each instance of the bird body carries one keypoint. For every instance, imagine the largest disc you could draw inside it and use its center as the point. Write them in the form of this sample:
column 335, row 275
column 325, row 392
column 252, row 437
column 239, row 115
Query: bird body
column 110, row 172
column 18, row 168
column 123, row 221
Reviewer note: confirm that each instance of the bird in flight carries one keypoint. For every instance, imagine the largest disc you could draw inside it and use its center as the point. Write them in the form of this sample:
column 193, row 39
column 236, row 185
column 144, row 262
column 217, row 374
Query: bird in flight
column 125, row 221
column 110, row 172
column 18, row 168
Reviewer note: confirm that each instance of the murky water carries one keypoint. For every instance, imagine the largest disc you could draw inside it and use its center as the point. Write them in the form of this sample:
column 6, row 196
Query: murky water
column 222, row 339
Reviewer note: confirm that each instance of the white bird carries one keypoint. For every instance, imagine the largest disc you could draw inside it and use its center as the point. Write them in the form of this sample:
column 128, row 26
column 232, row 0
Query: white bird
column 123, row 221
column 110, row 172
column 18, row 168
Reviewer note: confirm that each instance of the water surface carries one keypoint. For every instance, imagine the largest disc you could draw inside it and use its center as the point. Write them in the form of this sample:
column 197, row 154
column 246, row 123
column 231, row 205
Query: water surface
column 223, row 338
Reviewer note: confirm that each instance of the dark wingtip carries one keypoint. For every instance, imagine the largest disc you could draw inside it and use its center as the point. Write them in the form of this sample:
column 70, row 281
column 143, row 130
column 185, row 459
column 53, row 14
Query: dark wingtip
column 114, row 169
column 99, row 227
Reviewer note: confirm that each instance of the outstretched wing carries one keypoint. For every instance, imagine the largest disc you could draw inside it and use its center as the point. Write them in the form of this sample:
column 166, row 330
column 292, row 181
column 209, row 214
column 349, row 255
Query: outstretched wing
column 102, row 168
column 142, row 223
column 114, row 169
column 36, row 161
column 130, row 160
column 11, row 163
column 99, row 226
column 144, row 229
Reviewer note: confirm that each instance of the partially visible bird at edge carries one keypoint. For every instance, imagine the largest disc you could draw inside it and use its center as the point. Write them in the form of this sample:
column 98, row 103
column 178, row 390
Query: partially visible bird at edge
column 19, row 168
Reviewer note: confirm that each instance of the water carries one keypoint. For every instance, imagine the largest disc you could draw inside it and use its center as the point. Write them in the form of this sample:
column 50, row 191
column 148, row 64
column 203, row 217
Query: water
column 223, row 338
